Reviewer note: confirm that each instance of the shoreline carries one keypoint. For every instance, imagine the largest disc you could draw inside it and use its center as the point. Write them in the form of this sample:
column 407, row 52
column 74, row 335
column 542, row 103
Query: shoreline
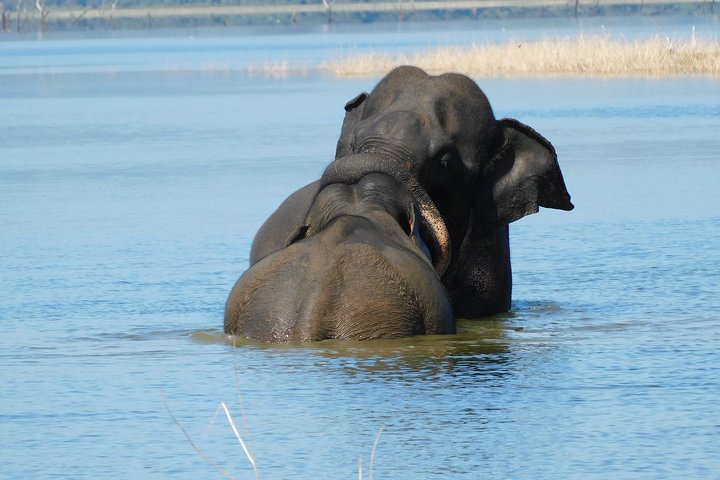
column 43, row 19
column 406, row 6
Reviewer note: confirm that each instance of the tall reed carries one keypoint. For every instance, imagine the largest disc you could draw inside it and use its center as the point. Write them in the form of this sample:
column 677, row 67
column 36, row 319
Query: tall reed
column 585, row 55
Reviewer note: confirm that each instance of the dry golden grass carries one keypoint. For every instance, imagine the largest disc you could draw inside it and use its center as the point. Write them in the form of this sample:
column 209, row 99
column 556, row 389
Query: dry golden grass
column 592, row 55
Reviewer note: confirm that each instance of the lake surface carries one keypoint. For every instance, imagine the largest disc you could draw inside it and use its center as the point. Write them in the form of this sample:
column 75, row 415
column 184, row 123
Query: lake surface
column 133, row 176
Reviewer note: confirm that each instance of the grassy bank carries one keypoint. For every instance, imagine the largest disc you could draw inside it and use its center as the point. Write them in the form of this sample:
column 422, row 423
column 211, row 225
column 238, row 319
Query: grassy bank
column 593, row 55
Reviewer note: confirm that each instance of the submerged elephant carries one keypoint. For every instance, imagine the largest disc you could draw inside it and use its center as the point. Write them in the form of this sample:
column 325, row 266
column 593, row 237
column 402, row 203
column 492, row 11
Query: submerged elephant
column 356, row 268
column 469, row 174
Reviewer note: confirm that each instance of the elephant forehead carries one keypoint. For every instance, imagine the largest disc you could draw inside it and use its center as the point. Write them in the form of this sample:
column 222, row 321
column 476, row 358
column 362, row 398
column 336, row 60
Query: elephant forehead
column 400, row 121
column 413, row 87
column 382, row 189
column 375, row 191
column 333, row 195
column 452, row 103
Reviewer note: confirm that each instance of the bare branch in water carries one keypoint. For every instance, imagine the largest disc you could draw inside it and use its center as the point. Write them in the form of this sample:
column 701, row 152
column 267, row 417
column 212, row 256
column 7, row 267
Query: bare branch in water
column 242, row 443
column 372, row 453
column 197, row 449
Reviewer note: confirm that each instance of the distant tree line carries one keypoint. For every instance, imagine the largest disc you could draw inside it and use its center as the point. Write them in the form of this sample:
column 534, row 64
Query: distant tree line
column 44, row 15
column 174, row 3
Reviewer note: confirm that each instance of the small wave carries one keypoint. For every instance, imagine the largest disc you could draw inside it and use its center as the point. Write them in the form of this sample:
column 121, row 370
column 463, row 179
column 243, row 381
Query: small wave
column 540, row 306
column 212, row 336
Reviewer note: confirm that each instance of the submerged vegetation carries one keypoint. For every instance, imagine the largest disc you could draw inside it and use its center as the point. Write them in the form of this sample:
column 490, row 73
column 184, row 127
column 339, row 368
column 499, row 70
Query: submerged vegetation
column 585, row 55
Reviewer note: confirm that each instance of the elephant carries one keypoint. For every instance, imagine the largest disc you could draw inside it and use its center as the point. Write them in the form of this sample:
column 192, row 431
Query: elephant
column 357, row 268
column 470, row 176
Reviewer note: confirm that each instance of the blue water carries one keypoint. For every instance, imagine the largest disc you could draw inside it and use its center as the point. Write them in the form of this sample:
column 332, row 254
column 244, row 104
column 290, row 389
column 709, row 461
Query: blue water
column 130, row 193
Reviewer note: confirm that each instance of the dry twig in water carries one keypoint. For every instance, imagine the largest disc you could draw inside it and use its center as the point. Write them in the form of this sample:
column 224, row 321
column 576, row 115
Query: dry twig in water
column 197, row 449
column 372, row 455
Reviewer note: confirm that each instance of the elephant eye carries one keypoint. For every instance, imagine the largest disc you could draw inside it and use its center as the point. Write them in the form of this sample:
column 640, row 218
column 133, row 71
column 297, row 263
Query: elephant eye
column 445, row 159
column 443, row 169
column 446, row 156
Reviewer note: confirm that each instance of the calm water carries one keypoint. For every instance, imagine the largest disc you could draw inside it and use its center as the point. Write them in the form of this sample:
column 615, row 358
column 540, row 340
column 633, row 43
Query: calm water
column 130, row 192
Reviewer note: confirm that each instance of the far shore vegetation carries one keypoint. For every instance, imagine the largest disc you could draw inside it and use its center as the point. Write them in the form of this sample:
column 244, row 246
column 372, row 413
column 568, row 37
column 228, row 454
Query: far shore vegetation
column 24, row 16
column 598, row 55
column 594, row 55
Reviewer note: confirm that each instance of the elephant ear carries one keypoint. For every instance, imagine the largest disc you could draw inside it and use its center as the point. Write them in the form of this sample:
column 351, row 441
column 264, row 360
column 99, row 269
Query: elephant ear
column 286, row 225
column 522, row 176
column 353, row 113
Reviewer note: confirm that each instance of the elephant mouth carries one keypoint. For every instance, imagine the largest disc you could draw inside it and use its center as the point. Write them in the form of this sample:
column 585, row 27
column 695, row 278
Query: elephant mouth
column 433, row 231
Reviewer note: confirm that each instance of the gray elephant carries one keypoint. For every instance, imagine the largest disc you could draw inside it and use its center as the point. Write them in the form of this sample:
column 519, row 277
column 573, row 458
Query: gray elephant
column 356, row 268
column 469, row 174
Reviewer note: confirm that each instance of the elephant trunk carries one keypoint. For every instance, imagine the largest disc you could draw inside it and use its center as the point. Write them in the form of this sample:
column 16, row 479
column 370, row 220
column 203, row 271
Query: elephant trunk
column 350, row 169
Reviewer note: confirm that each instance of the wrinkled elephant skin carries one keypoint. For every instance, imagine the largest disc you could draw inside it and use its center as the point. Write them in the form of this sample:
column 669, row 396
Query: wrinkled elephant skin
column 469, row 175
column 357, row 269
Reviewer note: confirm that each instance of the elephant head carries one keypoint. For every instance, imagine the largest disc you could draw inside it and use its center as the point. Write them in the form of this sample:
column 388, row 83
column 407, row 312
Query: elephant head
column 480, row 173
column 357, row 267
column 470, row 173
column 442, row 131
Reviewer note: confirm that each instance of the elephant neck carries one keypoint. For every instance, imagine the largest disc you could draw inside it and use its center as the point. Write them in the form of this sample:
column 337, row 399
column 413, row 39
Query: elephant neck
column 352, row 168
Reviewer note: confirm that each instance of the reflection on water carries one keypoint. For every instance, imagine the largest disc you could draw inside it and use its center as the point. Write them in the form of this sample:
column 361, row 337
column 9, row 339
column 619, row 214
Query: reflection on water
column 128, row 205
column 473, row 351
